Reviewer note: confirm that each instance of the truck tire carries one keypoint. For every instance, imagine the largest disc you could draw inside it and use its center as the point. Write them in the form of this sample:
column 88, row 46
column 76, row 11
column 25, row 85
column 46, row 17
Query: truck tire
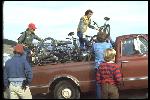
column 66, row 90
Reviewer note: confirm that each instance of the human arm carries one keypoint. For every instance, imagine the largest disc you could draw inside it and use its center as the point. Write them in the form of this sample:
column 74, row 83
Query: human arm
column 28, row 71
column 93, row 49
column 98, row 75
column 28, row 75
column 91, row 26
column 22, row 38
column 5, row 77
column 117, row 75
column 37, row 38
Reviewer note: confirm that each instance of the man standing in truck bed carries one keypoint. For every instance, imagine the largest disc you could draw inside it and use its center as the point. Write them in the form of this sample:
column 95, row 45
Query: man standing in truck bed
column 84, row 23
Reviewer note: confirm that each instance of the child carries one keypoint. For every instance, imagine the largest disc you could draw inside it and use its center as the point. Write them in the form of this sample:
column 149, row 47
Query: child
column 109, row 76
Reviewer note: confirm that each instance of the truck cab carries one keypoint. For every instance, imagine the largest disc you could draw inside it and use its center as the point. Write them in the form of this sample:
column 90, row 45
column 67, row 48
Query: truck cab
column 132, row 55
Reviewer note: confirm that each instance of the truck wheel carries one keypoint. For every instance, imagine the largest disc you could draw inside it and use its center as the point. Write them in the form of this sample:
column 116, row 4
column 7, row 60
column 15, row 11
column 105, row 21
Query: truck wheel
column 66, row 90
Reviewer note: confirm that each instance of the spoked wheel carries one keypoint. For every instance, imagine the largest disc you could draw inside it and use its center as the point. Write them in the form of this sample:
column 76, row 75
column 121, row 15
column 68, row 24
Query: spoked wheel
column 93, row 39
column 107, row 29
column 66, row 90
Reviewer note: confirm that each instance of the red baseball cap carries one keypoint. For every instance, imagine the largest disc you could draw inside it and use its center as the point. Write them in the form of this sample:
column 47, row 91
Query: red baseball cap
column 32, row 26
column 19, row 48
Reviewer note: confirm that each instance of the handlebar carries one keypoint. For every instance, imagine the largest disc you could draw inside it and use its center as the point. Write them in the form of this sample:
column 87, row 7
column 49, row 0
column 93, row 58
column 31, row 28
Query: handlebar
column 71, row 34
column 88, row 36
column 105, row 25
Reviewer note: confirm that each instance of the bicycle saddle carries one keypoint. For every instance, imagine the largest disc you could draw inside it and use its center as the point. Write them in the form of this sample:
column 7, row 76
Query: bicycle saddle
column 63, row 43
column 71, row 33
column 106, row 18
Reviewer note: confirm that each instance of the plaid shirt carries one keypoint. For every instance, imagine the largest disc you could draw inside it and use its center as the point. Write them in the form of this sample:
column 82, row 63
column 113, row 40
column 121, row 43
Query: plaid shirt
column 108, row 73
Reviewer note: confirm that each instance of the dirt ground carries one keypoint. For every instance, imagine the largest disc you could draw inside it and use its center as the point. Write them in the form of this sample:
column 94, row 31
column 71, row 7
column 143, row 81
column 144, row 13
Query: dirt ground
column 127, row 94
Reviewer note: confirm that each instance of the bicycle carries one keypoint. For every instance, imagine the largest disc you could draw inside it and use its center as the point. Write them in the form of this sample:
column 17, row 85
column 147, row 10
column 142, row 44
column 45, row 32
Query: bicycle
column 93, row 39
column 74, row 40
column 75, row 51
column 43, row 52
column 105, row 28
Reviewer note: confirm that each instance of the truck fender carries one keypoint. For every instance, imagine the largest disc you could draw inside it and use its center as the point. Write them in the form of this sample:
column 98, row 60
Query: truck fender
column 75, row 80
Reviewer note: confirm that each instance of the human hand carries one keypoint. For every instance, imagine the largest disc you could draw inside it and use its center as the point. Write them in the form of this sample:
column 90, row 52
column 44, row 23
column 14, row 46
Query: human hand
column 25, row 46
column 96, row 29
column 24, row 84
column 4, row 89
column 42, row 40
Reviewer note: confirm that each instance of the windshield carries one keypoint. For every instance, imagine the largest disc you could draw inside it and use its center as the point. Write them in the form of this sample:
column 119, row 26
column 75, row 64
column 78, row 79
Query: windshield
column 132, row 46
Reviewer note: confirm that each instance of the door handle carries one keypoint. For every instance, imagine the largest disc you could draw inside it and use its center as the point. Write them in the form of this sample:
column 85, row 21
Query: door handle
column 124, row 61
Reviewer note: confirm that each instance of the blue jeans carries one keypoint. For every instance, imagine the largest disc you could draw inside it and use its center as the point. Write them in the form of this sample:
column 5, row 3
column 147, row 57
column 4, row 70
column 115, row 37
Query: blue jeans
column 83, row 41
column 98, row 88
column 27, row 55
column 98, row 91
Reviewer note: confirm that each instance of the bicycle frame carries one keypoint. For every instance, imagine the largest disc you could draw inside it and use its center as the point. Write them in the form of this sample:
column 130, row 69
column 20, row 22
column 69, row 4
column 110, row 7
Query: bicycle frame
column 74, row 40
column 105, row 27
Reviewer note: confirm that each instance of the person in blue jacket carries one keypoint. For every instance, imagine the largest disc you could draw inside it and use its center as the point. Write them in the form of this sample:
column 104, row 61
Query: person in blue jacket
column 18, row 75
column 98, row 49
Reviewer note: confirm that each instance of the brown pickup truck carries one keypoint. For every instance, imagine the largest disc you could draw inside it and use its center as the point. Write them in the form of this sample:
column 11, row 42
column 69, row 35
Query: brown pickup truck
column 69, row 80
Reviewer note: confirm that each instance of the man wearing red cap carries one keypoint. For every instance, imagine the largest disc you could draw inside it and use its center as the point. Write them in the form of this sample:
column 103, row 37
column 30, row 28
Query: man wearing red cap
column 27, row 38
column 17, row 75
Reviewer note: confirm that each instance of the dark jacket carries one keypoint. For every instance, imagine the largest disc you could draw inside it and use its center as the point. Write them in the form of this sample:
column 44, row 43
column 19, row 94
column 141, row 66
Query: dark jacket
column 17, row 67
column 27, row 38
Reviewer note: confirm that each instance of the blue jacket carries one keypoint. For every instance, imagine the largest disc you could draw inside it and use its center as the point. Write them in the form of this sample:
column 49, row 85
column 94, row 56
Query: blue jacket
column 17, row 67
column 98, row 50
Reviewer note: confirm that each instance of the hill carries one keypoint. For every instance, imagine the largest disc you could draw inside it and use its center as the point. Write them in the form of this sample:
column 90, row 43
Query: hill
column 8, row 46
column 9, row 42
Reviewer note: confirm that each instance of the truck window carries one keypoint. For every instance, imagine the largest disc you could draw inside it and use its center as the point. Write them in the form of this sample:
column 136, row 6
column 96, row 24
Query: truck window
column 132, row 46
column 128, row 47
column 141, row 45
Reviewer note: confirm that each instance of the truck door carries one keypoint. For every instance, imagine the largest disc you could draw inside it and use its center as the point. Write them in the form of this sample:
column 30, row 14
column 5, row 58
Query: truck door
column 134, row 62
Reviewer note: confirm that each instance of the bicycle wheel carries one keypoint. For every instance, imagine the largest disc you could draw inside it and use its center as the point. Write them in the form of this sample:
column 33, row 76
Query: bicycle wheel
column 107, row 29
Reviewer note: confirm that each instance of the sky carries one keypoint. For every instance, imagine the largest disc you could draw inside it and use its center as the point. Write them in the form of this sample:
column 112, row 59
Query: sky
column 57, row 18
